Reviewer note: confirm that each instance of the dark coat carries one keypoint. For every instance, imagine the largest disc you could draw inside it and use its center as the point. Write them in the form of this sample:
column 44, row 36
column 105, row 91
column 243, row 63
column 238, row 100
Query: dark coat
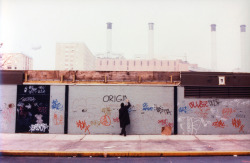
column 124, row 116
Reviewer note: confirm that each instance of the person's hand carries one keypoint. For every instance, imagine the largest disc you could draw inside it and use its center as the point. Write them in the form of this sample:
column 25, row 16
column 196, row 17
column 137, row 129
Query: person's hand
column 126, row 100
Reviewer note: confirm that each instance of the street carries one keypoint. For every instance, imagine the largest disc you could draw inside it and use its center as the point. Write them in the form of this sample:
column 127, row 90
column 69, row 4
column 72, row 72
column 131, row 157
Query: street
column 211, row 159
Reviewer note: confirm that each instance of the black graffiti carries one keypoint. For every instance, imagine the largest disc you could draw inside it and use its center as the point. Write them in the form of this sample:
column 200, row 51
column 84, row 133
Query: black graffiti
column 114, row 98
column 160, row 110
column 84, row 110
column 214, row 102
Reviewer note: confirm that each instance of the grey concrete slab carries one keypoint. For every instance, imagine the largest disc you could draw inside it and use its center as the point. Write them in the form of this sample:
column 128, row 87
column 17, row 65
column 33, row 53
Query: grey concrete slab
column 117, row 143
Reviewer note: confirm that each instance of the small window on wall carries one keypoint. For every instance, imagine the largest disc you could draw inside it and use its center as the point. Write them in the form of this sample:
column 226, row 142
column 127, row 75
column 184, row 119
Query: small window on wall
column 9, row 67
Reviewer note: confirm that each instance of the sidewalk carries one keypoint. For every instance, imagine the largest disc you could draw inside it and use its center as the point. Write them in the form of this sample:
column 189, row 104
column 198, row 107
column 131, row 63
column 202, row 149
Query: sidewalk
column 116, row 145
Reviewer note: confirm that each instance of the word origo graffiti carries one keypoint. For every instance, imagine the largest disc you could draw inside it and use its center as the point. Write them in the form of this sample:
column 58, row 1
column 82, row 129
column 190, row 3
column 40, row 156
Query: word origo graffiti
column 114, row 98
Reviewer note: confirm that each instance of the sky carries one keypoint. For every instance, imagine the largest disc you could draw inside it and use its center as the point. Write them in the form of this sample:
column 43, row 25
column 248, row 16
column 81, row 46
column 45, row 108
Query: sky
column 182, row 27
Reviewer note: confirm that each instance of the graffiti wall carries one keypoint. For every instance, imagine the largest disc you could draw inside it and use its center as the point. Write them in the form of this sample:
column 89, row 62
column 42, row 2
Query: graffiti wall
column 7, row 108
column 212, row 115
column 95, row 109
column 57, row 109
column 32, row 108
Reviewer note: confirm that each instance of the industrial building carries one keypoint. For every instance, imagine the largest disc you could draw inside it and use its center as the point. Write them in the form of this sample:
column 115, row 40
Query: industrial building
column 15, row 61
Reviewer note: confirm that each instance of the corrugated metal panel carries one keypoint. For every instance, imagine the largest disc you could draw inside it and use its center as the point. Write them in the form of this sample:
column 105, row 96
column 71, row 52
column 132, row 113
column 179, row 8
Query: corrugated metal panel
column 211, row 79
column 221, row 92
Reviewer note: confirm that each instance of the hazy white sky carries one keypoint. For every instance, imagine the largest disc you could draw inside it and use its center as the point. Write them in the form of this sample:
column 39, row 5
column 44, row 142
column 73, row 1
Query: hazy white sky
column 181, row 27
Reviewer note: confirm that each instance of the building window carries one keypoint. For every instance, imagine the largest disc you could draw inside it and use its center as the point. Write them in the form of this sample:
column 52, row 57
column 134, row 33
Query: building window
column 100, row 62
column 141, row 63
column 134, row 63
column 127, row 63
column 148, row 63
column 114, row 62
column 154, row 63
column 15, row 67
column 107, row 62
column 161, row 63
column 120, row 62
column 9, row 67
column 174, row 63
column 168, row 63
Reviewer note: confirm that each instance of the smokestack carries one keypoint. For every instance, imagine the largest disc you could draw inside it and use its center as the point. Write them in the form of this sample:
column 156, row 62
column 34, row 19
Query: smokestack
column 151, row 41
column 109, row 39
column 244, row 65
column 213, row 48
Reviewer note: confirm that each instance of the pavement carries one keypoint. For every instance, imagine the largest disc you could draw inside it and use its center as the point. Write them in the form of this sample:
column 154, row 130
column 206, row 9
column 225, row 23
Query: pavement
column 119, row 146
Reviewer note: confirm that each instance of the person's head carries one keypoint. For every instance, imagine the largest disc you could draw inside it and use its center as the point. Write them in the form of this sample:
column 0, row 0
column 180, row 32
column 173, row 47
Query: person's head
column 122, row 104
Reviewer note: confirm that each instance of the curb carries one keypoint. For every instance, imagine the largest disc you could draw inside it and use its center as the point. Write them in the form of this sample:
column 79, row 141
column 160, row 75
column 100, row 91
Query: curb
column 122, row 154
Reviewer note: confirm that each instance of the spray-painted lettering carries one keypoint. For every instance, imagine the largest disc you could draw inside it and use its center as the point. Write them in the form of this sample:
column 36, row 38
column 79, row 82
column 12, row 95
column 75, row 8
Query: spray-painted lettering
column 146, row 107
column 219, row 124
column 226, row 112
column 114, row 98
column 58, row 119
column 82, row 125
column 198, row 104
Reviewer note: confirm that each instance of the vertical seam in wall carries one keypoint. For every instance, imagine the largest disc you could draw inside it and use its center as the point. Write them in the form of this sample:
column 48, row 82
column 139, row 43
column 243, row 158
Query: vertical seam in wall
column 175, row 111
column 66, row 109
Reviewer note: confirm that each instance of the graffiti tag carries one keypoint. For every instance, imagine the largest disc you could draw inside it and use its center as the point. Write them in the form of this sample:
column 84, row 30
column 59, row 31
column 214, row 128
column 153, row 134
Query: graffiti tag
column 82, row 125
column 57, row 105
column 146, row 107
column 219, row 124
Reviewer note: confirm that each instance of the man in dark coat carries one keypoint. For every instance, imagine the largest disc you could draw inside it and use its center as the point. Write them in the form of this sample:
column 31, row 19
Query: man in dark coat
column 124, row 117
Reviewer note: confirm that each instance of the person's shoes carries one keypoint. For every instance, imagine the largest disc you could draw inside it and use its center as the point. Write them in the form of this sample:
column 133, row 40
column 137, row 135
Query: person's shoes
column 125, row 134
column 121, row 133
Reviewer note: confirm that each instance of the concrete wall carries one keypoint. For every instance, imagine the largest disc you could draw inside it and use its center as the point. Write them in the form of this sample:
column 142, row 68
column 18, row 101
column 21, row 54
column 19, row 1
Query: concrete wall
column 57, row 109
column 212, row 116
column 94, row 109
column 8, row 94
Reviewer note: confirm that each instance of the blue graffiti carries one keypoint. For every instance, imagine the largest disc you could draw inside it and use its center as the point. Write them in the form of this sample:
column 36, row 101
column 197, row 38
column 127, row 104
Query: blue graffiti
column 146, row 107
column 56, row 105
column 184, row 109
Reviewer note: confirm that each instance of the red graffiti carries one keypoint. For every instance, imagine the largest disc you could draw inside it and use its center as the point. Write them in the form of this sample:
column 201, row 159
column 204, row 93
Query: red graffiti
column 116, row 119
column 202, row 112
column 105, row 120
column 226, row 112
column 42, row 110
column 219, row 124
column 164, row 122
column 237, row 124
column 82, row 125
column 58, row 120
column 198, row 104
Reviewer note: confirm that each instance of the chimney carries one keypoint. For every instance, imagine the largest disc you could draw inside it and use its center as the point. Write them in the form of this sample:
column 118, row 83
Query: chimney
column 213, row 48
column 150, row 41
column 244, row 65
column 109, row 39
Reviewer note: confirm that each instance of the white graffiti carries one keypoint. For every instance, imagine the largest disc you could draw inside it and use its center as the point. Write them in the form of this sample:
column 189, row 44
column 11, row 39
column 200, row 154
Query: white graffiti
column 191, row 125
column 39, row 118
column 28, row 106
column 39, row 127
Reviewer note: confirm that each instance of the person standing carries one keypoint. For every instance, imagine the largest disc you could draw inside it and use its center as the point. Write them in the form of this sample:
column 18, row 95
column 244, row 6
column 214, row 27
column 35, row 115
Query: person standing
column 124, row 117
